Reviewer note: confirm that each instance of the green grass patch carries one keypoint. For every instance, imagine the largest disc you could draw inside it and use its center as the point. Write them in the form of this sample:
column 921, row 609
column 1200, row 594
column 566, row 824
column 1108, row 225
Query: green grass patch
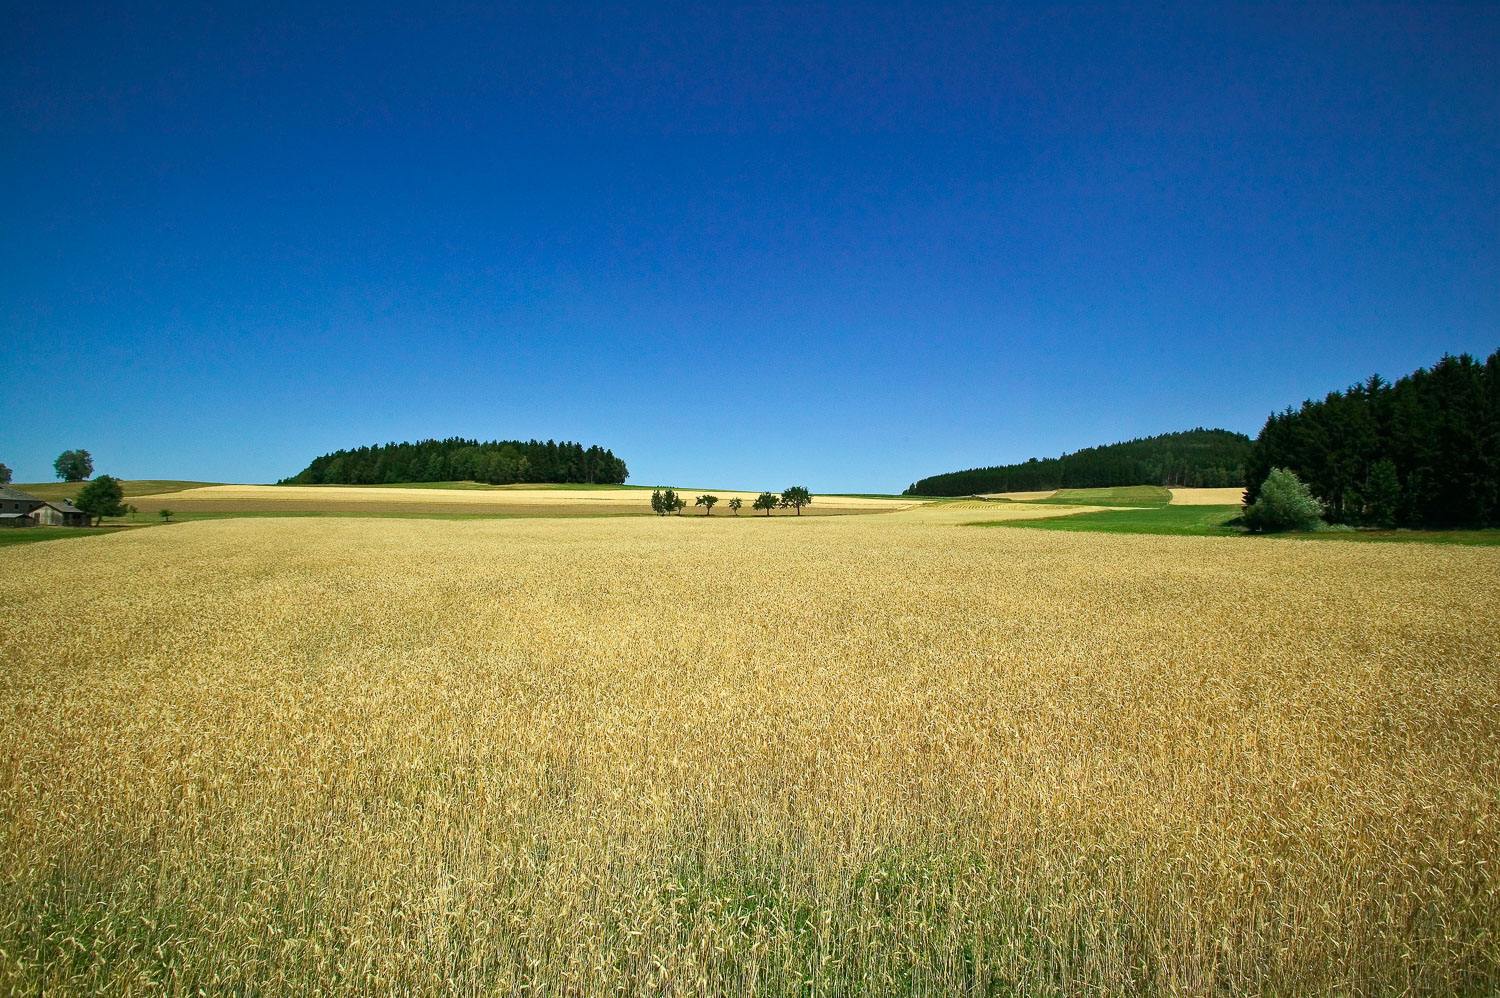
column 1196, row 521
column 29, row 535
column 1132, row 495
column 1213, row 521
column 1472, row 538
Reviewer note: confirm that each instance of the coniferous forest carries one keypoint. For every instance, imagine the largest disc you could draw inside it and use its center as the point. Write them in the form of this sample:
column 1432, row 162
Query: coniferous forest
column 495, row 462
column 1422, row 451
column 1193, row 459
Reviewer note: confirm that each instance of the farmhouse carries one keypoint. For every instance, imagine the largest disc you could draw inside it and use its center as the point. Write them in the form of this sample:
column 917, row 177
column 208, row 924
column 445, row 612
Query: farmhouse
column 20, row 509
column 16, row 507
column 60, row 513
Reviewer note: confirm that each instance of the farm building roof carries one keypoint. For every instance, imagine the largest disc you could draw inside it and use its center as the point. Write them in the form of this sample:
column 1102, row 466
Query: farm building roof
column 16, row 495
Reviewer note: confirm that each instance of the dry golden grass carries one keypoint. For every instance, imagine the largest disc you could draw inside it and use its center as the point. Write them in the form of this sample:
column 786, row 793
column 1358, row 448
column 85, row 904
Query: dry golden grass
column 1208, row 497
column 508, row 501
column 1023, row 496
column 837, row 755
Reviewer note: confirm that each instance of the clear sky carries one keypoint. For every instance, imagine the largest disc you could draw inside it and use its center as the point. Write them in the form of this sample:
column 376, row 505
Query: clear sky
column 740, row 245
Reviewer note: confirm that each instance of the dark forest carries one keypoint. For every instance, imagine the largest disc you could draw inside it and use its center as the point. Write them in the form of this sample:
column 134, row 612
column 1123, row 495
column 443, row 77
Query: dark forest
column 494, row 462
column 1193, row 459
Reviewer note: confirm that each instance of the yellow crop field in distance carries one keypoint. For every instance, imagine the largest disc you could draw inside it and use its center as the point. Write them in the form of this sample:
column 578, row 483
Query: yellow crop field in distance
column 835, row 755
column 509, row 500
column 1208, row 497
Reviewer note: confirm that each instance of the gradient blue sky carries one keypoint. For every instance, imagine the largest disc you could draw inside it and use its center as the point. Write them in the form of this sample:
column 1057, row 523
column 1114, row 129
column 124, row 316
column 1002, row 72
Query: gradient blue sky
column 740, row 245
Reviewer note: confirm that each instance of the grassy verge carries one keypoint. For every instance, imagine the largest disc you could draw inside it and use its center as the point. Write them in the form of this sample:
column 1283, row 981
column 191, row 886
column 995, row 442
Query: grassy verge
column 1213, row 521
column 30, row 535
column 1479, row 538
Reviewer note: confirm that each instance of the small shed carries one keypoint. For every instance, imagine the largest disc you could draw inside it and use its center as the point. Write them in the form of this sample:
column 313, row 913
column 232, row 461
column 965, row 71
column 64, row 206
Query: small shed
column 13, row 519
column 59, row 513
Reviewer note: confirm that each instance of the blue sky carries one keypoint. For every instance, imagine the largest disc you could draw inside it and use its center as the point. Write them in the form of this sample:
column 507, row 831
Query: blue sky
column 740, row 245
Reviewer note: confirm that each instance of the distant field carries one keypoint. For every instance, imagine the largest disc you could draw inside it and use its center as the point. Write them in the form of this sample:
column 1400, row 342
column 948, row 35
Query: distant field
column 481, row 500
column 484, row 486
column 1187, row 520
column 1022, row 496
column 993, row 513
column 131, row 487
column 1135, row 495
column 1208, row 497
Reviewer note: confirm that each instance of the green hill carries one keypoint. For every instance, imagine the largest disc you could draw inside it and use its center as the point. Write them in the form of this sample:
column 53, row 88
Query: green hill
column 1194, row 459
column 52, row 491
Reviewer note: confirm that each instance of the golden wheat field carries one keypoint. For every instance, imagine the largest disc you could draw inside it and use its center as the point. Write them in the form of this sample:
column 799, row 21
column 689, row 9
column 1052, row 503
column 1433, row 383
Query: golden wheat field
column 839, row 755
column 507, row 501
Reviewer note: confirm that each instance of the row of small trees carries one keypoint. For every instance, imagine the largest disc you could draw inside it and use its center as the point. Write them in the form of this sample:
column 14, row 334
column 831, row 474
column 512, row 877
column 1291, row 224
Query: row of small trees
column 664, row 501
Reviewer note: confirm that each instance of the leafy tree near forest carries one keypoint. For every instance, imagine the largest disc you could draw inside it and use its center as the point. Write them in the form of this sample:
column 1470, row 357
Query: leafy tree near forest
column 1195, row 459
column 495, row 462
column 767, row 501
column 707, row 502
column 102, row 497
column 796, row 497
column 73, row 465
column 1284, row 504
column 1436, row 432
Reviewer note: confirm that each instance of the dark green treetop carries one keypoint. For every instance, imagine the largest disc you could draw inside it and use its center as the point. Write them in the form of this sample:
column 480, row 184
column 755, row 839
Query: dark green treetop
column 102, row 497
column 73, row 465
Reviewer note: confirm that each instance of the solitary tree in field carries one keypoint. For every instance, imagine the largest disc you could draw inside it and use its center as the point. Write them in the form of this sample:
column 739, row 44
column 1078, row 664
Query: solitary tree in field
column 165, row 514
column 4, row 475
column 735, row 504
column 102, row 497
column 707, row 502
column 766, row 501
column 73, row 465
column 796, row 497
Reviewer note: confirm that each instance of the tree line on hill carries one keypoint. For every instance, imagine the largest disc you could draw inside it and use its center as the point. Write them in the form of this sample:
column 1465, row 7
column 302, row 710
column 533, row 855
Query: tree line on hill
column 1193, row 459
column 494, row 462
column 1422, row 451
